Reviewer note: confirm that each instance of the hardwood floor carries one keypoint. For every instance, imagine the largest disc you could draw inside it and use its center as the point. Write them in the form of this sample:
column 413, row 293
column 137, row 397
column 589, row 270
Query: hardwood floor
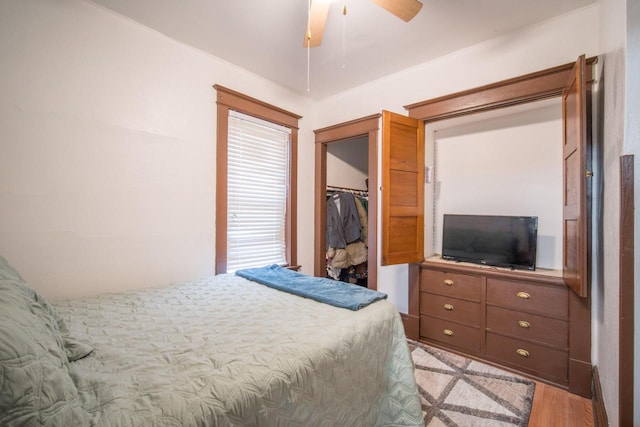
column 558, row 408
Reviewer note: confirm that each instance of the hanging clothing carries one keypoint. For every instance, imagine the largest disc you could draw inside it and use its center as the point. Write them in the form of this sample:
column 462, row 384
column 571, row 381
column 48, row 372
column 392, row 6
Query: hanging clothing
column 364, row 221
column 346, row 237
column 355, row 253
column 343, row 225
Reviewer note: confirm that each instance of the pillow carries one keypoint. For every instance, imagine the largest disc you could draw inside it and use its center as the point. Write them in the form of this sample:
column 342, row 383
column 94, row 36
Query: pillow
column 35, row 385
column 74, row 349
column 7, row 272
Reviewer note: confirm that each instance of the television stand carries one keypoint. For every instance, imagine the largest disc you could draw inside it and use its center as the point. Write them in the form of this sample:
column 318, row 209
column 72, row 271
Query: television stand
column 525, row 321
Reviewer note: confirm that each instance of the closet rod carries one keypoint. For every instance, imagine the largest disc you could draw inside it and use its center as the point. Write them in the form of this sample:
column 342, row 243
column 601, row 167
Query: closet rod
column 347, row 190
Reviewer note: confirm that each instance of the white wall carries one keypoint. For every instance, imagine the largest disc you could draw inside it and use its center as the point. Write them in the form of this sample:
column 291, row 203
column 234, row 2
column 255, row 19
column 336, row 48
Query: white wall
column 610, row 113
column 509, row 165
column 530, row 50
column 619, row 114
column 632, row 146
column 494, row 60
column 348, row 163
column 107, row 152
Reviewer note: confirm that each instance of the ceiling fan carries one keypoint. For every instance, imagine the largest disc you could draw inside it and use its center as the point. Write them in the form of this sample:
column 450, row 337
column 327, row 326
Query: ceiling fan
column 403, row 9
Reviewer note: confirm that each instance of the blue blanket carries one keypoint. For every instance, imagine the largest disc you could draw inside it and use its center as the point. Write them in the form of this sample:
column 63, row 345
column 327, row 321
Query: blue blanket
column 328, row 291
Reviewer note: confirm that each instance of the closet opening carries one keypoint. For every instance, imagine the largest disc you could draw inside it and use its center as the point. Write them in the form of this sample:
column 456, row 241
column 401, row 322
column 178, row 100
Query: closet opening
column 346, row 202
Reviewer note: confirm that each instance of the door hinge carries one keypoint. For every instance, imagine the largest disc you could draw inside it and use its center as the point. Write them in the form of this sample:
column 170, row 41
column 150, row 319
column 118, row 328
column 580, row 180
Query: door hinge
column 428, row 174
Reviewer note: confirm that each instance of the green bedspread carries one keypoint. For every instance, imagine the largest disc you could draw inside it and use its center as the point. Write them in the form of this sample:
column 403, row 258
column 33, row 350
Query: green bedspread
column 225, row 351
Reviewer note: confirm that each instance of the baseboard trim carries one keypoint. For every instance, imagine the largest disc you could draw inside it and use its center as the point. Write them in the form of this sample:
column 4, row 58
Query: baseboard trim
column 600, row 418
column 411, row 326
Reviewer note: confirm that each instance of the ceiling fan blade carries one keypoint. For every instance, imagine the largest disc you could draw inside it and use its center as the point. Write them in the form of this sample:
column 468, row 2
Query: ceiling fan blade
column 403, row 9
column 315, row 26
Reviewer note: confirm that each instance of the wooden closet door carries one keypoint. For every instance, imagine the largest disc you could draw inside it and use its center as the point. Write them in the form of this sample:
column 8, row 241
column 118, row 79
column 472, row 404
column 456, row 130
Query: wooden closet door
column 402, row 189
column 576, row 179
column 576, row 218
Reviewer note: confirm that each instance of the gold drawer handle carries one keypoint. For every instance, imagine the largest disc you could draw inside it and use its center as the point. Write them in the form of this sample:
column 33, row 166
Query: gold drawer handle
column 448, row 307
column 524, row 324
column 448, row 282
column 523, row 353
column 523, row 295
column 448, row 332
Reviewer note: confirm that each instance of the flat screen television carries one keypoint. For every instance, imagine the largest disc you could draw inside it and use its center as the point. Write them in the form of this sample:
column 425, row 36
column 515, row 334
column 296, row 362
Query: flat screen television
column 501, row 241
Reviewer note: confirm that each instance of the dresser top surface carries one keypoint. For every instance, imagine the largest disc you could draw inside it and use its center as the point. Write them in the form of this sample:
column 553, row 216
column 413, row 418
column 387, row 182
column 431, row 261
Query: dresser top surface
column 436, row 261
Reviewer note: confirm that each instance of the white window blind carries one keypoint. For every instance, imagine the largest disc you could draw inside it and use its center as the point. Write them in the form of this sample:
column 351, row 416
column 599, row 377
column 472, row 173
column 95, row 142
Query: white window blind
column 257, row 178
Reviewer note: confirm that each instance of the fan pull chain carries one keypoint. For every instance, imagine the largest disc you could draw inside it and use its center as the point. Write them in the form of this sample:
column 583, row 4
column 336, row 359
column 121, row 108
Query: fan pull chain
column 308, row 35
column 344, row 35
column 308, row 68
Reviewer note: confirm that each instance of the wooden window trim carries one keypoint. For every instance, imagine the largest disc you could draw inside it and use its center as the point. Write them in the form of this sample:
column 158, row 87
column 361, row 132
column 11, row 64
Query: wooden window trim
column 226, row 100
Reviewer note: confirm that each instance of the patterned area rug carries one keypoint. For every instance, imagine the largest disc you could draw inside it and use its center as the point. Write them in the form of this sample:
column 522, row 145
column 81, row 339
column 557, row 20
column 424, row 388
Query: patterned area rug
column 456, row 391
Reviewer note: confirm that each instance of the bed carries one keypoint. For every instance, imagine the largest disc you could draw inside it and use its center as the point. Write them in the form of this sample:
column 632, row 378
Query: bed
column 220, row 351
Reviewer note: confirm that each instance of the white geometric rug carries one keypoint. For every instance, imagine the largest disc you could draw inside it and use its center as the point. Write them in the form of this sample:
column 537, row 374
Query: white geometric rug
column 459, row 392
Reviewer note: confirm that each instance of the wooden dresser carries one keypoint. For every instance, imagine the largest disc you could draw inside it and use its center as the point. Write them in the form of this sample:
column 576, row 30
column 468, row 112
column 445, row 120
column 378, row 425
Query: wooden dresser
column 514, row 318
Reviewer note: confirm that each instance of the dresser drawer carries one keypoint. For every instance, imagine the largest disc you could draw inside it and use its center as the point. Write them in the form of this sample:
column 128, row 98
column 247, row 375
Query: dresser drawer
column 533, row 358
column 449, row 308
column 530, row 297
column 528, row 326
column 450, row 334
column 457, row 285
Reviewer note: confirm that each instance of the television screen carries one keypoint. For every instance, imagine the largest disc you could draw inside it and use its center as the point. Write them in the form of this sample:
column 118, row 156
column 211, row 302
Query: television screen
column 501, row 241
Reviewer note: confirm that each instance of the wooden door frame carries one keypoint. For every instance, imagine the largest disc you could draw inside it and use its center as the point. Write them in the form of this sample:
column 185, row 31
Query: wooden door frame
column 627, row 297
column 368, row 126
column 531, row 87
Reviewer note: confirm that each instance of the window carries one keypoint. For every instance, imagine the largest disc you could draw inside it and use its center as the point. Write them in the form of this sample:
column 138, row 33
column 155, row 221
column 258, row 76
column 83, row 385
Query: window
column 255, row 183
column 257, row 171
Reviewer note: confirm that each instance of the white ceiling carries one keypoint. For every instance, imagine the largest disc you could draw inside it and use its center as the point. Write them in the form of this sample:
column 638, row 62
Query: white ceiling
column 266, row 36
